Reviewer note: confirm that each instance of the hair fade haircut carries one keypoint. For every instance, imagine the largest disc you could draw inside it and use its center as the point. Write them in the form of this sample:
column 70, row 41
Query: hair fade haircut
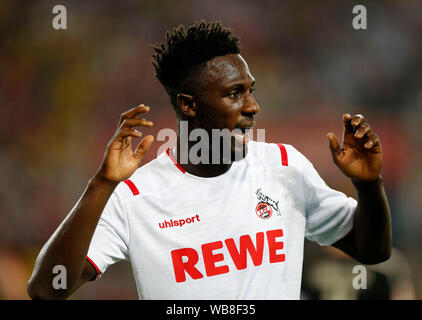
column 178, row 61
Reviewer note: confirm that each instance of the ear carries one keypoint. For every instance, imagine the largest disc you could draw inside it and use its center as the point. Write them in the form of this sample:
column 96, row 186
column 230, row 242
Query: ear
column 186, row 104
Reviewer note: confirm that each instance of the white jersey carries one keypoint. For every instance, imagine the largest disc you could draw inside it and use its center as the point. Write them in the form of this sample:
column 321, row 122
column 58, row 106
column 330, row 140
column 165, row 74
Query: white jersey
column 239, row 235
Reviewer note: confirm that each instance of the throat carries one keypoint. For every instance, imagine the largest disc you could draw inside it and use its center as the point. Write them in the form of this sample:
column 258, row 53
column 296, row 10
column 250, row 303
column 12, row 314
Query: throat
column 203, row 169
column 206, row 170
column 199, row 162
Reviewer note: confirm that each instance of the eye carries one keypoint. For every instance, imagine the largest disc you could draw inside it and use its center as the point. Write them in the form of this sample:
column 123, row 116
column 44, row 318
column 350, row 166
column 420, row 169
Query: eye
column 234, row 94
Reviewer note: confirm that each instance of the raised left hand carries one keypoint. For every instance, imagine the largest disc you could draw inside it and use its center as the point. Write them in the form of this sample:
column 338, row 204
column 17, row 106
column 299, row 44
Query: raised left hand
column 360, row 157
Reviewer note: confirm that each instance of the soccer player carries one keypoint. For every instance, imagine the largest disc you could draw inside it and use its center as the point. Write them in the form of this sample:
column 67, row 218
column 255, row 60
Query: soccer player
column 215, row 230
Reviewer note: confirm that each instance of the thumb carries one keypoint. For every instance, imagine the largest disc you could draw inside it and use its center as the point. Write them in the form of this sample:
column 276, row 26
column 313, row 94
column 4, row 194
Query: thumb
column 143, row 147
column 335, row 149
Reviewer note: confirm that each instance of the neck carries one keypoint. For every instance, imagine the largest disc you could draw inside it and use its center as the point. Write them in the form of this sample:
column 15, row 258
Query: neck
column 204, row 170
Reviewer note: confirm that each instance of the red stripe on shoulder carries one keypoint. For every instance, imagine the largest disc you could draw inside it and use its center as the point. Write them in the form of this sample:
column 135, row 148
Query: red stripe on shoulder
column 132, row 187
column 95, row 267
column 283, row 151
column 174, row 161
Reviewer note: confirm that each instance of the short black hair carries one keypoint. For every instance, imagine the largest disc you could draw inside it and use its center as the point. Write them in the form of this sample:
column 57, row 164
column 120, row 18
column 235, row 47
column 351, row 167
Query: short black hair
column 176, row 63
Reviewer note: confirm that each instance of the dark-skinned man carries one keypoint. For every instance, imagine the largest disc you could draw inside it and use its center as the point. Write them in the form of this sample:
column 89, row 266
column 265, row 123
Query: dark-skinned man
column 215, row 229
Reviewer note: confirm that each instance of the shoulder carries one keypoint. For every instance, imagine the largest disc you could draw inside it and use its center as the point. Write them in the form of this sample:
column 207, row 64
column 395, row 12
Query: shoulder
column 153, row 177
column 276, row 154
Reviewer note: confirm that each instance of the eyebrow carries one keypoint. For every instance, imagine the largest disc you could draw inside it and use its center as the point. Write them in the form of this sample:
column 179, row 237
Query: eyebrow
column 239, row 84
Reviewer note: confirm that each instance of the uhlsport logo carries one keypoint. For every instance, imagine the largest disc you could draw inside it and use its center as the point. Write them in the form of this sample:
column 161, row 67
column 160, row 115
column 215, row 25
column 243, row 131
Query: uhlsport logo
column 266, row 205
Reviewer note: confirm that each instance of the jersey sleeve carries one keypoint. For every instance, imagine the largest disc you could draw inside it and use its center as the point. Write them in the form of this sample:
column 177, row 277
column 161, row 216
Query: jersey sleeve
column 329, row 213
column 109, row 243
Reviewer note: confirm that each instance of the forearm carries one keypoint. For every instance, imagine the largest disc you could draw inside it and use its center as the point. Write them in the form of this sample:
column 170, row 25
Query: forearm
column 69, row 244
column 372, row 222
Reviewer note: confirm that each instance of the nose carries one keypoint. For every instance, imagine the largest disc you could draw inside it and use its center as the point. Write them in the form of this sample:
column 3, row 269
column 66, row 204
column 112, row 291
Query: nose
column 250, row 106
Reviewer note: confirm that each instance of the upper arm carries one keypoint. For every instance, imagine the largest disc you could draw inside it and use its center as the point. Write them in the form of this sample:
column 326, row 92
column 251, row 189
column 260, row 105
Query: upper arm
column 329, row 213
column 110, row 241
column 88, row 274
column 90, row 271
column 347, row 244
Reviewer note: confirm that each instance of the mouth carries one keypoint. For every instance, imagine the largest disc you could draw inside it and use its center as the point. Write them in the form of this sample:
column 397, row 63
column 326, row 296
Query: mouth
column 246, row 126
column 245, row 133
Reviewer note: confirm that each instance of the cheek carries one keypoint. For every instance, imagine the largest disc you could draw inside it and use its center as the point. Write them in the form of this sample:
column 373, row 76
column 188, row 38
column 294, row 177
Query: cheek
column 219, row 113
column 229, row 113
column 230, row 107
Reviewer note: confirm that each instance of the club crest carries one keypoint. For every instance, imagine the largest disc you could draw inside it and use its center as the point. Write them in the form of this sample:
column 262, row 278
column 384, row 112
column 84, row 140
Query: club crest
column 266, row 206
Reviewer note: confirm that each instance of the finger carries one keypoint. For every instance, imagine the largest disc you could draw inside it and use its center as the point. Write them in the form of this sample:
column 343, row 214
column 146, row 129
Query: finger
column 133, row 113
column 335, row 148
column 357, row 121
column 127, row 132
column 372, row 142
column 143, row 146
column 348, row 128
column 130, row 123
column 363, row 131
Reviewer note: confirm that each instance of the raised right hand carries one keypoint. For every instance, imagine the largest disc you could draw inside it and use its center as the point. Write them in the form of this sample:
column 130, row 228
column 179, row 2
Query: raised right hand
column 120, row 161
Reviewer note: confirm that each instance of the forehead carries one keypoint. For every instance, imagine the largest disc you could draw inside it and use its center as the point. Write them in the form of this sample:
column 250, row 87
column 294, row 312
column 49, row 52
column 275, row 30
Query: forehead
column 227, row 70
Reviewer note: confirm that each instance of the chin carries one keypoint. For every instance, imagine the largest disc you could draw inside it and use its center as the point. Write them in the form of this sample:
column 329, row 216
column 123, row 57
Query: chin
column 239, row 152
column 235, row 151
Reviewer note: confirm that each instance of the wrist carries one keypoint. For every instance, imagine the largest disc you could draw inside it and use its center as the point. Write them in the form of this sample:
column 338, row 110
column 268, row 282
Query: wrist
column 367, row 184
column 99, row 181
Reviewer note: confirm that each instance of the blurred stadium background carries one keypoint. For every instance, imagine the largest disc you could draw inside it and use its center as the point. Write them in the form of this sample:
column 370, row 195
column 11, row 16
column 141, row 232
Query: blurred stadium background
column 62, row 91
